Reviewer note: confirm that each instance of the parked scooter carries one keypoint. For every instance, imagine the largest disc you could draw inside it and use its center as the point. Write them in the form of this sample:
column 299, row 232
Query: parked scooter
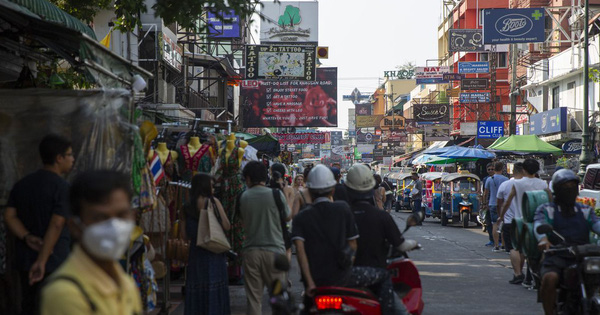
column 405, row 278
column 579, row 289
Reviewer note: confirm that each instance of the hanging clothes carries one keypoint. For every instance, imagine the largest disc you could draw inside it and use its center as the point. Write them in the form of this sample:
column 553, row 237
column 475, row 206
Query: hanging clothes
column 191, row 162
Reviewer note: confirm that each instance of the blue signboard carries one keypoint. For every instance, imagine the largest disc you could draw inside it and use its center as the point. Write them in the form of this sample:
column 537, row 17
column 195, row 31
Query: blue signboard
column 490, row 129
column 572, row 146
column 431, row 81
column 554, row 120
column 226, row 27
column 474, row 67
column 509, row 26
column 478, row 97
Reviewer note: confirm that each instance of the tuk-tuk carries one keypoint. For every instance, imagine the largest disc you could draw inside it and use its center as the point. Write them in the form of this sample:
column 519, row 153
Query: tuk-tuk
column 404, row 184
column 460, row 198
column 432, row 193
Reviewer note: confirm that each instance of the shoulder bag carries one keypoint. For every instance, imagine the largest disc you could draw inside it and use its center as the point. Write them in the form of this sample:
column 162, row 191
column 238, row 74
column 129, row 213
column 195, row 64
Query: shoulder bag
column 210, row 231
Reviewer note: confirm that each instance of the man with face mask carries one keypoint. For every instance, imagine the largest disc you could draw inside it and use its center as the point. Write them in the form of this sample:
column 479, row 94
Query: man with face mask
column 572, row 220
column 92, row 281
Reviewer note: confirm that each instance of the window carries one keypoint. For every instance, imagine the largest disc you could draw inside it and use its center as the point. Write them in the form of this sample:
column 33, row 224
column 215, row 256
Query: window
column 570, row 85
column 555, row 97
column 502, row 61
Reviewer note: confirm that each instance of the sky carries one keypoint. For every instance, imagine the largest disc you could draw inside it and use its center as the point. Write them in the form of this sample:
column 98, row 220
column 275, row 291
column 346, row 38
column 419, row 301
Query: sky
column 367, row 37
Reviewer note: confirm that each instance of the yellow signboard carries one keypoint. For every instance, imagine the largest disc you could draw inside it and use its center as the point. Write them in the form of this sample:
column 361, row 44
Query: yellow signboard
column 368, row 121
column 392, row 122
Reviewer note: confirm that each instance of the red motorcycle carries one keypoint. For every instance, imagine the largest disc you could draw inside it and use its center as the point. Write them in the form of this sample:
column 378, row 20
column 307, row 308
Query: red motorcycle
column 405, row 278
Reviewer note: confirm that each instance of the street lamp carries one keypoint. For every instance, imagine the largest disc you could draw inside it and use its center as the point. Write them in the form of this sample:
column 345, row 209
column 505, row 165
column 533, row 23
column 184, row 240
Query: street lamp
column 586, row 153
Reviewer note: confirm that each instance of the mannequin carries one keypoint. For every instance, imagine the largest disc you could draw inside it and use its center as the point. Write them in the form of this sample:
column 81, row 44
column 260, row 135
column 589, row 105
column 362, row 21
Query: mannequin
column 194, row 145
column 229, row 147
column 163, row 153
column 192, row 154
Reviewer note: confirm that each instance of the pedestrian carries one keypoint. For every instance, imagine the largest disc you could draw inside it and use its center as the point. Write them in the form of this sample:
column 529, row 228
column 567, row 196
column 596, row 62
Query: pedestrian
column 379, row 194
column 262, row 214
column 36, row 213
column 206, row 281
column 302, row 198
column 285, row 188
column 490, row 193
column 91, row 280
column 298, row 182
column 516, row 257
column 416, row 195
column 487, row 223
column 340, row 193
column 389, row 193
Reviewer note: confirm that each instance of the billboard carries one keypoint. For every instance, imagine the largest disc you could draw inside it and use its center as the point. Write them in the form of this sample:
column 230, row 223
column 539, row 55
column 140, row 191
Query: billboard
column 478, row 97
column 291, row 103
column 337, row 138
column 510, row 26
column 363, row 109
column 474, row 67
column 367, row 135
column 300, row 138
column 490, row 129
column 228, row 26
column 431, row 75
column 289, row 21
column 465, row 40
column 267, row 62
column 431, row 112
column 392, row 122
column 368, row 121
column 437, row 132
column 474, row 84
column 554, row 120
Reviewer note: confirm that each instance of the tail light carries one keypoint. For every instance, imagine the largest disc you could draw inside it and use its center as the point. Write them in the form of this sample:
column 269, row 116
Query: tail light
column 464, row 208
column 328, row 302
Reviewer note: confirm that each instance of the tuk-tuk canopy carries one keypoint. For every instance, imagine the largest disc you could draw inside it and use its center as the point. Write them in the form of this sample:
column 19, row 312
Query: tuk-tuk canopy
column 399, row 176
column 455, row 176
column 433, row 175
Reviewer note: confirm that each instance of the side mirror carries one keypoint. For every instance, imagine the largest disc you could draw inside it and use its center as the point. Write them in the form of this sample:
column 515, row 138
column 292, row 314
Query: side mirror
column 544, row 229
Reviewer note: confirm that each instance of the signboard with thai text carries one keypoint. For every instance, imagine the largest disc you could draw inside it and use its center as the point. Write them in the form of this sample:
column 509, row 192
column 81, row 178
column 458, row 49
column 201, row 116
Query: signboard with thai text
column 431, row 75
column 300, row 138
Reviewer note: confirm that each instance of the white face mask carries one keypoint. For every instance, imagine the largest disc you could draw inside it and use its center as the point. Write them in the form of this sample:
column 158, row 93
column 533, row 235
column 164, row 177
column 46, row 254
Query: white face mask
column 108, row 239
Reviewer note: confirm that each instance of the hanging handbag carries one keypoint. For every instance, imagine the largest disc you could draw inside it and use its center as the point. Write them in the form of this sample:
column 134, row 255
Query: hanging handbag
column 210, row 231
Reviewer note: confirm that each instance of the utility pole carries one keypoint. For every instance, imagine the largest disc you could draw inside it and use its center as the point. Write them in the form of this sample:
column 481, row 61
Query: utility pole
column 586, row 155
column 513, row 90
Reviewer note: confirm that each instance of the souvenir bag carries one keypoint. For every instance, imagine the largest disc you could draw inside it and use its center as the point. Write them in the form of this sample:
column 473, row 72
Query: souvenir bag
column 210, row 231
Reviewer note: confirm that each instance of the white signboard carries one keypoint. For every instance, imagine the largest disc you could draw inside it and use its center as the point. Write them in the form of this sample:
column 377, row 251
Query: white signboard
column 289, row 22
column 468, row 128
column 432, row 75
column 341, row 149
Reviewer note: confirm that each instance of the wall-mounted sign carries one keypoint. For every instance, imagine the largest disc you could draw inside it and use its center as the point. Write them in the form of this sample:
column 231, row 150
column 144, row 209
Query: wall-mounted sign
column 392, row 122
column 431, row 112
column 474, row 67
column 490, row 129
column 336, row 138
column 341, row 149
column 554, row 120
column 478, row 97
column 465, row 40
column 368, row 121
column 228, row 26
column 289, row 21
column 269, row 62
column 509, row 26
column 452, row 76
column 172, row 53
column 437, row 132
column 453, row 92
column 363, row 109
column 300, row 138
column 431, row 75
column 474, row 84
column 572, row 146
column 399, row 74
column 468, row 128
column 367, row 135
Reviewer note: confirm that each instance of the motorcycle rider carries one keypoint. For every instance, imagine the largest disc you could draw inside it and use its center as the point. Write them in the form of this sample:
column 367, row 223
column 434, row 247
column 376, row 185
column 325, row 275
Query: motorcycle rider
column 571, row 220
column 377, row 232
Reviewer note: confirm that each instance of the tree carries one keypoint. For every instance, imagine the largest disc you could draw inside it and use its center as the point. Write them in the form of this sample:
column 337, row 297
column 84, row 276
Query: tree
column 290, row 17
column 409, row 66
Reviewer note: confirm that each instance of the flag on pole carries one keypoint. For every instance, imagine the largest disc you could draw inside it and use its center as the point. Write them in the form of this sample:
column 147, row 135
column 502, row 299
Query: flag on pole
column 106, row 40
column 156, row 168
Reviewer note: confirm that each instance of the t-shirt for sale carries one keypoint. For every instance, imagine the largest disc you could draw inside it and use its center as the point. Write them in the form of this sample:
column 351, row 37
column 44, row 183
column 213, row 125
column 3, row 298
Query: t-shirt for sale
column 492, row 184
column 503, row 193
column 523, row 185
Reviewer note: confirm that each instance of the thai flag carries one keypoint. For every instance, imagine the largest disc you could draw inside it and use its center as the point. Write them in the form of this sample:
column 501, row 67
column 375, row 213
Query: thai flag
column 156, row 168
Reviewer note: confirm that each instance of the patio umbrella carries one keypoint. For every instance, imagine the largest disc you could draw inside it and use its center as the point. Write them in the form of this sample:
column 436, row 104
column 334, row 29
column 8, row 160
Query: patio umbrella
column 422, row 159
column 473, row 153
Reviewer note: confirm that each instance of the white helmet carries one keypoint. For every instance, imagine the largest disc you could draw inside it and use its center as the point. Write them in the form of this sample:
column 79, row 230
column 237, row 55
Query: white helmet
column 360, row 178
column 320, row 177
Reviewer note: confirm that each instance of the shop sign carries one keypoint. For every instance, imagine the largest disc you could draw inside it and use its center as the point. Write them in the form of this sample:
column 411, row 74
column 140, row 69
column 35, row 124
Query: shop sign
column 474, row 67
column 300, row 138
column 468, row 128
column 431, row 112
column 431, row 75
column 377, row 152
column 368, row 121
column 572, row 146
column 399, row 74
column 392, row 122
column 367, row 135
column 437, row 132
column 341, row 149
column 509, row 26
column 465, row 40
column 474, row 84
column 172, row 53
column 278, row 62
column 490, row 129
column 452, row 92
column 479, row 97
column 289, row 21
column 453, row 76
column 363, row 109
column 337, row 137
column 552, row 121
column 228, row 26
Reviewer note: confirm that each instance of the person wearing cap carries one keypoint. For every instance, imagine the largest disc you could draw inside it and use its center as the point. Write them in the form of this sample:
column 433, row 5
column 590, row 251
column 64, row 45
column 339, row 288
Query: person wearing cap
column 572, row 220
column 339, row 193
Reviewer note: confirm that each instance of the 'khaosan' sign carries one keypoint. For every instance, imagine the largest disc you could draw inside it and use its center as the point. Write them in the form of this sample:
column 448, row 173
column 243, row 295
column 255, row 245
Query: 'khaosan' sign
column 431, row 112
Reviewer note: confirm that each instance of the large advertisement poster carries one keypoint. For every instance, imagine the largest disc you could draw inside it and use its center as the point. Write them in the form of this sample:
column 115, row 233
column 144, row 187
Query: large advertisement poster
column 363, row 109
column 291, row 103
column 289, row 21
column 280, row 62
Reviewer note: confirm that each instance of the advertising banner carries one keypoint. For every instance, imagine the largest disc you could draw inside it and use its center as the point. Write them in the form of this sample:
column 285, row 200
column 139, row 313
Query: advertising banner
column 465, row 40
column 490, row 129
column 291, row 103
column 431, row 75
column 363, row 109
column 171, row 53
column 341, row 149
column 366, row 135
column 368, row 121
column 337, row 138
column 289, row 21
column 474, row 67
column 431, row 112
column 510, row 26
column 474, row 84
column 479, row 97
column 572, row 146
column 437, row 132
column 392, row 122
column 300, row 138
column 228, row 26
column 468, row 128
column 554, row 120
column 452, row 76
column 267, row 62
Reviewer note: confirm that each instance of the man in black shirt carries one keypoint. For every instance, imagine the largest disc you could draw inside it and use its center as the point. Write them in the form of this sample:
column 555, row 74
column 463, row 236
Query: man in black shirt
column 339, row 193
column 36, row 213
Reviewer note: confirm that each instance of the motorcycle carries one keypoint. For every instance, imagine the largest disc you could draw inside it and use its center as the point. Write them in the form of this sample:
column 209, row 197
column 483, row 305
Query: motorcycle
column 405, row 278
column 579, row 289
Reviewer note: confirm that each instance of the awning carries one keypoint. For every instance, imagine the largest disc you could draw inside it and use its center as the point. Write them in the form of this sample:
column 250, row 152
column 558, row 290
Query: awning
column 170, row 112
column 217, row 63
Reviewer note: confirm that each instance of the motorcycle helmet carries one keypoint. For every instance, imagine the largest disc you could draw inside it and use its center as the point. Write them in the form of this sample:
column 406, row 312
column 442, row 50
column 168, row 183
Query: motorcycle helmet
column 562, row 176
column 360, row 178
column 320, row 178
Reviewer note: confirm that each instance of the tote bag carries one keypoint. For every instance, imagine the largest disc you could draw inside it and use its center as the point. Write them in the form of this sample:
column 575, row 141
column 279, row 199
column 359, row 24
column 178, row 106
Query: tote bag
column 210, row 232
